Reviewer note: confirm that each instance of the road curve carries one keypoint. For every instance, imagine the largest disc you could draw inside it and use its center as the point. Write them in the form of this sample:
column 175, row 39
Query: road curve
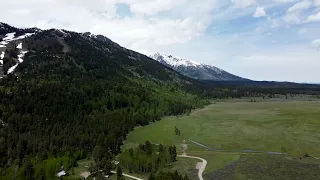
column 203, row 165
column 127, row 175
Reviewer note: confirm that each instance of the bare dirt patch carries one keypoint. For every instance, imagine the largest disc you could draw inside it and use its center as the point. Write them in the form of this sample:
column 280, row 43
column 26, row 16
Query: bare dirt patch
column 85, row 174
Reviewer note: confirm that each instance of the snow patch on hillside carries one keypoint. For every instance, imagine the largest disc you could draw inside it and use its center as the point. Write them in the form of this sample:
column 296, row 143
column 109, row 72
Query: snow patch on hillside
column 9, row 36
column 21, row 55
column 23, row 36
column 1, row 57
column 4, row 43
column 12, row 68
column 61, row 30
column 217, row 70
column 19, row 46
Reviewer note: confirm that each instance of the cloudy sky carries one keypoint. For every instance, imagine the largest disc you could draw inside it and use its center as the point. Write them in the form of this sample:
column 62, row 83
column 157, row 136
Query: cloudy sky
column 257, row 39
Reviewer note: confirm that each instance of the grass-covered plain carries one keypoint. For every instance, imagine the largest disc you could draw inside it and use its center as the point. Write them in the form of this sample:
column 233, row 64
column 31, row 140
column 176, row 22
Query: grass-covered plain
column 287, row 126
column 268, row 167
column 282, row 126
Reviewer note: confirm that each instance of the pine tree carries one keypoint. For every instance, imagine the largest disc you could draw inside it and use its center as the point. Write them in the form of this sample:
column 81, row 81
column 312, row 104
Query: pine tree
column 93, row 168
column 186, row 177
column 148, row 148
column 119, row 173
column 28, row 170
column 174, row 153
column 176, row 130
column 107, row 167
column 152, row 177
column 40, row 174
column 161, row 149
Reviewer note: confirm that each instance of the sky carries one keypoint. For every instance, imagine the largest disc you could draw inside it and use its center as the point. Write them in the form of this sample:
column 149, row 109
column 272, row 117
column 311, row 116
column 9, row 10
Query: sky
column 257, row 39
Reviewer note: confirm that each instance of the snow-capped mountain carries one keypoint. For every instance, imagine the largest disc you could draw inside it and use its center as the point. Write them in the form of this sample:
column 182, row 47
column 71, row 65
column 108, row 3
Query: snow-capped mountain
column 12, row 48
column 173, row 61
column 13, row 45
column 194, row 69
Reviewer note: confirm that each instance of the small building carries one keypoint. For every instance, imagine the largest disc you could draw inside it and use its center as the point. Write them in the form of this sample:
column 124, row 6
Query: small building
column 61, row 173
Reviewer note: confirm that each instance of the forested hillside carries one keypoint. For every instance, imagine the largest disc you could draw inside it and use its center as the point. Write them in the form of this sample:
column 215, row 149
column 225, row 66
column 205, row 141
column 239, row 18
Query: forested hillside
column 77, row 94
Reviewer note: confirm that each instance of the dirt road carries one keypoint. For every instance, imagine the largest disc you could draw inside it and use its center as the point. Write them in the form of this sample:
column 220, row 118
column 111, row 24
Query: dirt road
column 127, row 175
column 201, row 168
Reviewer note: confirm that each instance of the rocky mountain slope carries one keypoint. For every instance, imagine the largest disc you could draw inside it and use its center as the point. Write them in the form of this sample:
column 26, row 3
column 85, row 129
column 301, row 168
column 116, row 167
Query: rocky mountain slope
column 15, row 43
column 12, row 50
column 195, row 70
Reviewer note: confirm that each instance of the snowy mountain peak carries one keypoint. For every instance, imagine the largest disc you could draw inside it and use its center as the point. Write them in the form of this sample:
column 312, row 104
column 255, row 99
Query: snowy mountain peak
column 194, row 69
column 173, row 61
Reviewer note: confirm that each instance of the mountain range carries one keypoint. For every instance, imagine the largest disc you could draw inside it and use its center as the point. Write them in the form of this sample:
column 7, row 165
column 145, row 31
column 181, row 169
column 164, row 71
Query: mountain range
column 194, row 69
column 12, row 38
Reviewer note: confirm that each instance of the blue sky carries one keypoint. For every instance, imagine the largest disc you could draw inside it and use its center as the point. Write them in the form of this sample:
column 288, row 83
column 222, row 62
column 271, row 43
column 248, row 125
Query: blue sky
column 257, row 39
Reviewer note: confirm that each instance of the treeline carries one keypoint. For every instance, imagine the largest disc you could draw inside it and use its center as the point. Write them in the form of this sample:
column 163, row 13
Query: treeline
column 58, row 104
column 168, row 176
column 148, row 158
column 238, row 91
column 34, row 168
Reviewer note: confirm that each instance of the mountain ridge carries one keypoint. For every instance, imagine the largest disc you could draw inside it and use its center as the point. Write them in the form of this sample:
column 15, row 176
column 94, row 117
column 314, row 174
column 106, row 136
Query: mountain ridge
column 11, row 37
column 195, row 69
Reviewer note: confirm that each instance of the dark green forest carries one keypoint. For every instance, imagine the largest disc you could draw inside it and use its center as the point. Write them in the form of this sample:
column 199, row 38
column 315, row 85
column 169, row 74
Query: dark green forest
column 75, row 97
column 148, row 158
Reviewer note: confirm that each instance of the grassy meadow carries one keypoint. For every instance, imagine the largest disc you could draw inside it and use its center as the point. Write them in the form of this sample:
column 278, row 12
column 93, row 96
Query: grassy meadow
column 292, row 127
column 287, row 126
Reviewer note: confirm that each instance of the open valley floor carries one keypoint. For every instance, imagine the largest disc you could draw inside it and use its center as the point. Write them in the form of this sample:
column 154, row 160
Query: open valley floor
column 272, row 139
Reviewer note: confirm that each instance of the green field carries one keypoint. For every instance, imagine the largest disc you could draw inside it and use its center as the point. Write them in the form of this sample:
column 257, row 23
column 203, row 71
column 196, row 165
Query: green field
column 268, row 167
column 291, row 127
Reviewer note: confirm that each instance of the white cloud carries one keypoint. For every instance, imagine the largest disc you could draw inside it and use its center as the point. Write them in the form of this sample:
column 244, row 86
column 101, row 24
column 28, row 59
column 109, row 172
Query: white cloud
column 284, row 1
column 306, row 4
column 259, row 30
column 316, row 2
column 316, row 43
column 152, row 7
column 294, row 13
column 275, row 23
column 260, row 12
column 313, row 18
column 294, row 17
column 243, row 3
column 302, row 31
column 138, row 30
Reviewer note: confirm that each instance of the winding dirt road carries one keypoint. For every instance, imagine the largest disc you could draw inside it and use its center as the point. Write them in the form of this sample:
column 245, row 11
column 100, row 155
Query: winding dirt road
column 127, row 175
column 200, row 172
column 201, row 168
